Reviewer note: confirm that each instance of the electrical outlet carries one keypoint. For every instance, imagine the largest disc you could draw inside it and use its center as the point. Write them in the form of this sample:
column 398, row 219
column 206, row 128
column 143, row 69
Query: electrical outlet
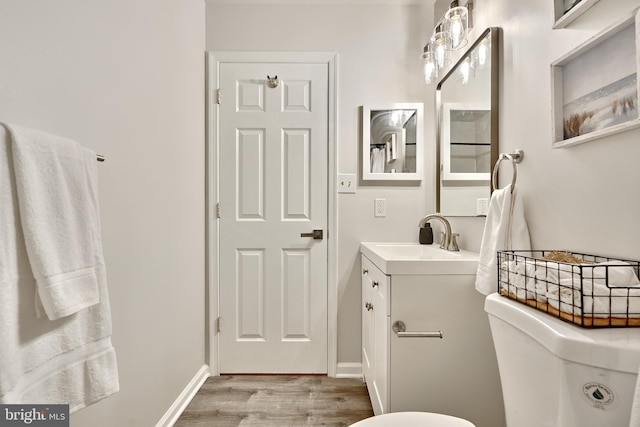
column 347, row 183
column 482, row 206
column 380, row 208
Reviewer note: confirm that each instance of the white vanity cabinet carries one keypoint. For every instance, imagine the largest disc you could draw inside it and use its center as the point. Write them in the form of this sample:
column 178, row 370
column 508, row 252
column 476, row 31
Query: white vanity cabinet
column 456, row 374
column 375, row 334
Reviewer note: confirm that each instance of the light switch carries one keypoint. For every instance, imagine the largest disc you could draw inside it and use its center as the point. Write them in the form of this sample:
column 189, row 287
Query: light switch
column 346, row 183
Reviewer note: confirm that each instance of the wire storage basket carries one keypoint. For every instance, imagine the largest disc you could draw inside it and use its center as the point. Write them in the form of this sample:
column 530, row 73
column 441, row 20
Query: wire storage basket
column 587, row 290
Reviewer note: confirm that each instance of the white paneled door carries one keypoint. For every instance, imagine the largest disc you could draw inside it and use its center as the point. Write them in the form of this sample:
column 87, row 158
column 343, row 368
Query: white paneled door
column 273, row 160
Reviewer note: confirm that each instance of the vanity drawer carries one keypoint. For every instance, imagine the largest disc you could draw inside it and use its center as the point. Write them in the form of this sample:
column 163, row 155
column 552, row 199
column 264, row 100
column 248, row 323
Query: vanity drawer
column 377, row 283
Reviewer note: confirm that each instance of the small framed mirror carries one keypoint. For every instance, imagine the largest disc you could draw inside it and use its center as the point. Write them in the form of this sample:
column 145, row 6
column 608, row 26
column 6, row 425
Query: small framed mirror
column 392, row 142
column 467, row 107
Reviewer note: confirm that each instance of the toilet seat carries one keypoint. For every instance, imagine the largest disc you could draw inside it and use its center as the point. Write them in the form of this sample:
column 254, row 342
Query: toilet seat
column 413, row 419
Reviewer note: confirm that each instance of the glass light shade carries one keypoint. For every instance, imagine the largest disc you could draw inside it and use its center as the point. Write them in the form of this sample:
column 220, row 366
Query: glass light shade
column 456, row 22
column 439, row 45
column 430, row 69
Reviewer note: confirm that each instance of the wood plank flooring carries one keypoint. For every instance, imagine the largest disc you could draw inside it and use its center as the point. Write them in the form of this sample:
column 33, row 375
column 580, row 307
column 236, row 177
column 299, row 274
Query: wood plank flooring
column 277, row 400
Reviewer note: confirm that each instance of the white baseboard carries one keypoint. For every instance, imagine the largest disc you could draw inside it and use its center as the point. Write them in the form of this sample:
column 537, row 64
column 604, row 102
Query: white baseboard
column 180, row 404
column 349, row 370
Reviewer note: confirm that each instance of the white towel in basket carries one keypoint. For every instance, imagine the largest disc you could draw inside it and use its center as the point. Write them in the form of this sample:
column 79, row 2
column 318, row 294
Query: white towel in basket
column 571, row 284
column 525, row 280
column 618, row 273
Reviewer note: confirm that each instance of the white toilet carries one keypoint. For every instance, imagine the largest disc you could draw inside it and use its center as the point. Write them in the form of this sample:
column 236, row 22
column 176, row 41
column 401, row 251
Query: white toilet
column 556, row 374
column 413, row 419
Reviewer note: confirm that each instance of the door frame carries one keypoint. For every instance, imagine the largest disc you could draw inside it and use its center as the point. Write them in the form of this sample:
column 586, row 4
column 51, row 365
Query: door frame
column 213, row 61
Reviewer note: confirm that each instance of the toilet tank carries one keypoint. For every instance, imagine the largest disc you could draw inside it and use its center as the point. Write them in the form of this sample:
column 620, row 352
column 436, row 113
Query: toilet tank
column 555, row 374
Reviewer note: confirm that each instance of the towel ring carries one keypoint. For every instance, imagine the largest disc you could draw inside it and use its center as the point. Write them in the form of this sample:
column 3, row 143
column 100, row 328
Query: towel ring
column 515, row 157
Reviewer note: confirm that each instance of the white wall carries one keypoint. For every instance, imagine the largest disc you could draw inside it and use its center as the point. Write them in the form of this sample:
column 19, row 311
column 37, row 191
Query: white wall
column 379, row 47
column 582, row 198
column 125, row 78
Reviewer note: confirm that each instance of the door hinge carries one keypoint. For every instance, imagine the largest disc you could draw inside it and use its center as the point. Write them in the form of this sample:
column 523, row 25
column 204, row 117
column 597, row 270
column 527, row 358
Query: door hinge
column 219, row 97
column 218, row 325
column 218, row 210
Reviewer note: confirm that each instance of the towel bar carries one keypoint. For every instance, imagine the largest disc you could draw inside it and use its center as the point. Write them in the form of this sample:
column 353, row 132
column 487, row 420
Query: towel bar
column 515, row 157
column 400, row 329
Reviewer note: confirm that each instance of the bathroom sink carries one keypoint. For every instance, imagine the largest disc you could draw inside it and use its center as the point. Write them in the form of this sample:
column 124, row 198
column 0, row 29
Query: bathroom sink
column 414, row 258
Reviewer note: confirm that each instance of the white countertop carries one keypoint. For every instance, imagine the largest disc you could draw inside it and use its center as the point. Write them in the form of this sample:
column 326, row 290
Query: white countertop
column 414, row 258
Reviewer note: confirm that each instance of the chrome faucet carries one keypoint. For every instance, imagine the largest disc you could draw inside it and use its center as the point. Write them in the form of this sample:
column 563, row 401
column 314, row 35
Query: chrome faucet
column 448, row 241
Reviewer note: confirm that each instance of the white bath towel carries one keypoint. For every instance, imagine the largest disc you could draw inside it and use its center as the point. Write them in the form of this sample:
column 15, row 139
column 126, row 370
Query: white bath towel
column 69, row 360
column 57, row 210
column 505, row 228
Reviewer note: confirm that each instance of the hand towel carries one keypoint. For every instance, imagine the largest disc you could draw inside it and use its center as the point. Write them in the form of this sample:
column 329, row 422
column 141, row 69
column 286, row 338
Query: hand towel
column 505, row 228
column 58, row 219
column 70, row 360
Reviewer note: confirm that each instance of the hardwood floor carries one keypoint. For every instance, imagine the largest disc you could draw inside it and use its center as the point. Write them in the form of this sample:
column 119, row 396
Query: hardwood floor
column 277, row 400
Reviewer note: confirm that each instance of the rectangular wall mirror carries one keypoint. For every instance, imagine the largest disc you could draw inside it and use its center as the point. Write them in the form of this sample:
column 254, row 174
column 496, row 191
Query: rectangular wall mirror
column 466, row 142
column 392, row 142
column 467, row 107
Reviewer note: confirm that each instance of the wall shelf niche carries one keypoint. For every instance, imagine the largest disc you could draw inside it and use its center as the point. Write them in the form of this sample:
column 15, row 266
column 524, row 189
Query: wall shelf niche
column 594, row 87
column 567, row 11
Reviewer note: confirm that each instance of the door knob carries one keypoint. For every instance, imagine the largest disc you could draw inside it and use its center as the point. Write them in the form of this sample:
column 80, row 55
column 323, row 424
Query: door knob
column 316, row 234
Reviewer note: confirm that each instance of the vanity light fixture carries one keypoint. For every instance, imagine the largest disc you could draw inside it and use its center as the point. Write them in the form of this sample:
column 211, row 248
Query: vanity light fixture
column 450, row 33
column 440, row 44
column 430, row 69
column 456, row 21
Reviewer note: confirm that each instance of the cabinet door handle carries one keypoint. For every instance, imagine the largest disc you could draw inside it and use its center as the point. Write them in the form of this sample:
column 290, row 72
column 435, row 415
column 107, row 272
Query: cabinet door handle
column 365, row 272
column 368, row 306
column 401, row 331
column 374, row 284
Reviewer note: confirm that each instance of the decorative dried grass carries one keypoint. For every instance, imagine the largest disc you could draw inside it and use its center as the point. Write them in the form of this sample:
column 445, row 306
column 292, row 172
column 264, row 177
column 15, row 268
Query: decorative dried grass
column 567, row 257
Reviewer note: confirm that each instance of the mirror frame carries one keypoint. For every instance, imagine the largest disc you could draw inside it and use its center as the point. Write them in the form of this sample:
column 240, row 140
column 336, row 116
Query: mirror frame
column 494, row 34
column 367, row 175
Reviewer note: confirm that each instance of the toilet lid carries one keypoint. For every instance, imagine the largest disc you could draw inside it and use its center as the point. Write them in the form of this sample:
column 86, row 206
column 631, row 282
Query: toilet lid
column 413, row 419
